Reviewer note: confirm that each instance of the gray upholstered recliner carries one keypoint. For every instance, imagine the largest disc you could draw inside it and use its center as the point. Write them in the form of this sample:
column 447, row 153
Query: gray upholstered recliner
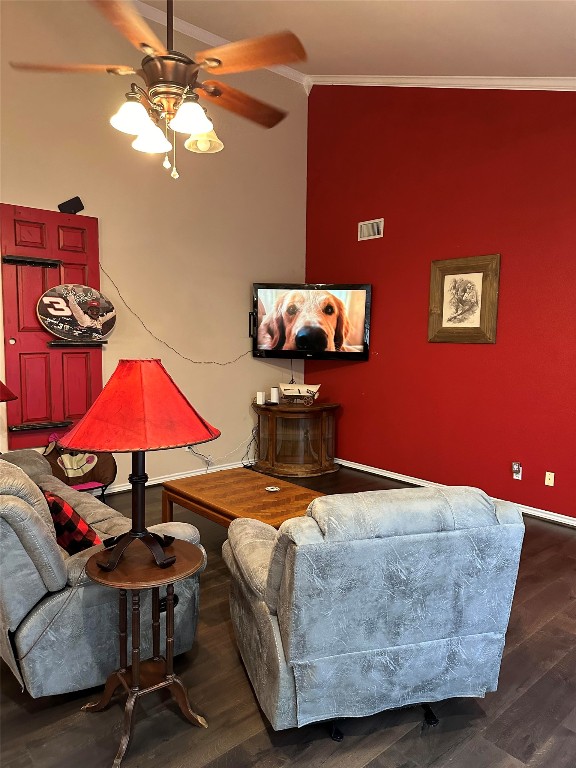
column 58, row 628
column 374, row 601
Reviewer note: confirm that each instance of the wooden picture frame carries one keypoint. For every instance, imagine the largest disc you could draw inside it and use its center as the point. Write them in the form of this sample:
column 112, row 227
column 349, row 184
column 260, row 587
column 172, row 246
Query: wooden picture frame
column 464, row 300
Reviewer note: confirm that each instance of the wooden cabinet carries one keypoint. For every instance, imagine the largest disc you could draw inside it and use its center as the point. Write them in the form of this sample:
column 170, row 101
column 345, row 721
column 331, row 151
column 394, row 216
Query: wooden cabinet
column 296, row 440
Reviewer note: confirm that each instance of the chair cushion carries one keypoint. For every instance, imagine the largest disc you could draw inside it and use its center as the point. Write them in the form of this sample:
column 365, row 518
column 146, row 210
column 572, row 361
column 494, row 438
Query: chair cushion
column 72, row 533
column 31, row 462
column 401, row 512
column 104, row 520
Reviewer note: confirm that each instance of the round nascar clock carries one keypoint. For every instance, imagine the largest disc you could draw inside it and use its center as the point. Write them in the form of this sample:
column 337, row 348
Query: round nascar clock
column 76, row 313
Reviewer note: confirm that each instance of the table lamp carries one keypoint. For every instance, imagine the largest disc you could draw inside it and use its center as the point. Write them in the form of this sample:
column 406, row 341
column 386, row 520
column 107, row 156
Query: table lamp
column 140, row 409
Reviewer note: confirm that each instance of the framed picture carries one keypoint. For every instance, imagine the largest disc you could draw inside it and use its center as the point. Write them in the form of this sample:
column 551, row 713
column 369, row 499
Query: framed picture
column 464, row 300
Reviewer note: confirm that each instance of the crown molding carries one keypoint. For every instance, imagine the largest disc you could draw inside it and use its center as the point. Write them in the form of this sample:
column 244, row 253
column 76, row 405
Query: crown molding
column 504, row 83
column 161, row 17
column 197, row 33
column 307, row 81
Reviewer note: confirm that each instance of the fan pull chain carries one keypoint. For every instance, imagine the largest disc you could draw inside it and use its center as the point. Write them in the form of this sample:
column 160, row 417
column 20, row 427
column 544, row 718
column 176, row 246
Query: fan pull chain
column 174, row 173
column 166, row 163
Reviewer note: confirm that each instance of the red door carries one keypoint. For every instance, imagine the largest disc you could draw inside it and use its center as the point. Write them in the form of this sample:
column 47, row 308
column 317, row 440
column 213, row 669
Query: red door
column 56, row 381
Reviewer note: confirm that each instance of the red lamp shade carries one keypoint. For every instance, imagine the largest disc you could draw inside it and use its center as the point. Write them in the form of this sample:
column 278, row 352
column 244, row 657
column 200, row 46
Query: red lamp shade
column 139, row 409
column 6, row 394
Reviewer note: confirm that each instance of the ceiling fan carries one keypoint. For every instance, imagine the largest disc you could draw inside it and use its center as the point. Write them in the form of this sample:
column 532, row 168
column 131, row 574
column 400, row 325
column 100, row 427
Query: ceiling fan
column 171, row 78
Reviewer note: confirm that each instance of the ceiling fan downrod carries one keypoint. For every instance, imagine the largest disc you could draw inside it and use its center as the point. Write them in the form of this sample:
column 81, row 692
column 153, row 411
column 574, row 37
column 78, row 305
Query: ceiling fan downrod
column 170, row 24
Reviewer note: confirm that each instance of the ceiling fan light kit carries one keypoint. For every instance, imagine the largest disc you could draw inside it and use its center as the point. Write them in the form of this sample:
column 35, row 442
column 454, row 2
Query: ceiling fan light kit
column 132, row 116
column 191, row 118
column 204, row 143
column 152, row 141
column 172, row 103
column 172, row 86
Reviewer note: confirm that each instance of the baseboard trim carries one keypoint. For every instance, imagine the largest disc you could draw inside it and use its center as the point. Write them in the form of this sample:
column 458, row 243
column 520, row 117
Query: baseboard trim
column 120, row 487
column 543, row 514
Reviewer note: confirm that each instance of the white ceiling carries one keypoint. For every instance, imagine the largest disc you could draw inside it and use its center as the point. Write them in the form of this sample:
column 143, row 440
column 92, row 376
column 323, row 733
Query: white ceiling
column 514, row 41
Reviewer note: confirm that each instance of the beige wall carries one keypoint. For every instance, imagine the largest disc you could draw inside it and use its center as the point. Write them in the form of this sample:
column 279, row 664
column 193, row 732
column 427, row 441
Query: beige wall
column 183, row 254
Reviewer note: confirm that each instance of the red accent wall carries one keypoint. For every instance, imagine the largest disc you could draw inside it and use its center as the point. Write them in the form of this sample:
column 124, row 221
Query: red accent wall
column 454, row 173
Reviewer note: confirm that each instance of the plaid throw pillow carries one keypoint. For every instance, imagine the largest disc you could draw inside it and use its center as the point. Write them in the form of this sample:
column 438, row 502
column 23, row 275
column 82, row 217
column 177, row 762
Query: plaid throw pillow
column 72, row 533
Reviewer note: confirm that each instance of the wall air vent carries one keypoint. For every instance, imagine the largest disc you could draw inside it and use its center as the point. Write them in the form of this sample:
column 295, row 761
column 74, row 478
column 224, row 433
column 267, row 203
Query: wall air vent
column 368, row 230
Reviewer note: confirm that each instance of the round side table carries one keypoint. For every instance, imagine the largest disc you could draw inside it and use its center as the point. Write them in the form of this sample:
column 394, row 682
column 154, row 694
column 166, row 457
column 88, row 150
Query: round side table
column 136, row 571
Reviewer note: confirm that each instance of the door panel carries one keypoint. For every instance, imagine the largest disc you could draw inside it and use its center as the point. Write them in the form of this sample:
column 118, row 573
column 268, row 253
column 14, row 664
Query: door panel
column 35, row 392
column 27, row 236
column 73, row 273
column 71, row 239
column 76, row 368
column 53, row 384
column 30, row 284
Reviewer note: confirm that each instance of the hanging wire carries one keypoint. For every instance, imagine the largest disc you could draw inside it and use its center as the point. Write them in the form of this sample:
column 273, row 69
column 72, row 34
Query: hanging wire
column 253, row 442
column 245, row 460
column 161, row 341
column 208, row 460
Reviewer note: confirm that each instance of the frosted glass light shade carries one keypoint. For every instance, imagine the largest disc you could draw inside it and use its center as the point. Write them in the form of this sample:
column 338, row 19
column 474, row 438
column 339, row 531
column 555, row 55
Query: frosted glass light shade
column 204, row 143
column 152, row 140
column 132, row 117
column 191, row 118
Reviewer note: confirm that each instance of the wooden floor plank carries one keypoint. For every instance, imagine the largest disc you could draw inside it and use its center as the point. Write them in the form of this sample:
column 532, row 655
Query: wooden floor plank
column 480, row 753
column 536, row 715
column 559, row 751
column 527, row 663
column 531, row 615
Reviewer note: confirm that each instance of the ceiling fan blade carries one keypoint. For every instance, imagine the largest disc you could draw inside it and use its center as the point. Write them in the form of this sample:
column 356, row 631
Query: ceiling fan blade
column 256, row 52
column 129, row 23
column 240, row 103
column 114, row 69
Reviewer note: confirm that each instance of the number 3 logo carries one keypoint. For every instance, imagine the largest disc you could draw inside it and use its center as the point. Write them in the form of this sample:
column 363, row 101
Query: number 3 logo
column 56, row 306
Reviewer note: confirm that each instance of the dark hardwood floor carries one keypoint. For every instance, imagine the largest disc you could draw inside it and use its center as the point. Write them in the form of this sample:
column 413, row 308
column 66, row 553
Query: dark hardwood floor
column 530, row 721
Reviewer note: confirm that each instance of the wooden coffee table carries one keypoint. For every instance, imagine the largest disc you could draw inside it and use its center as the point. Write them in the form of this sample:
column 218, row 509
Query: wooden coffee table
column 230, row 493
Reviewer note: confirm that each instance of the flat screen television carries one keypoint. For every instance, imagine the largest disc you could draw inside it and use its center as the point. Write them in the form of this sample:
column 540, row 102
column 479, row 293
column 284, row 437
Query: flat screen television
column 311, row 321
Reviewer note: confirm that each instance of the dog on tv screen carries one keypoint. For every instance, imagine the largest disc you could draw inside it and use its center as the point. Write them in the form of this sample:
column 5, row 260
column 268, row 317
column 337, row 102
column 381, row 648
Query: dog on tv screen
column 308, row 321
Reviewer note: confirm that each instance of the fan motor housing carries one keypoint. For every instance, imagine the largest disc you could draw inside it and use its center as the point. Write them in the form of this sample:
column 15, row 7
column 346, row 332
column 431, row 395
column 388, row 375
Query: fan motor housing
column 167, row 77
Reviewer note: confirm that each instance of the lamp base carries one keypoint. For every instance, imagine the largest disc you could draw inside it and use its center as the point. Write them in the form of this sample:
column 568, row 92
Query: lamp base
column 155, row 543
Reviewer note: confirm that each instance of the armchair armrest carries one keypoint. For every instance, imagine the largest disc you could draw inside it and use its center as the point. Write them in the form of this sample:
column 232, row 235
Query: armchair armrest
column 26, row 530
column 252, row 544
column 76, row 566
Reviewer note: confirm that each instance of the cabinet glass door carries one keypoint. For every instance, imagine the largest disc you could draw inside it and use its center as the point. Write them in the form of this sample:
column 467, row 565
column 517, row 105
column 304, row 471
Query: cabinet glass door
column 298, row 442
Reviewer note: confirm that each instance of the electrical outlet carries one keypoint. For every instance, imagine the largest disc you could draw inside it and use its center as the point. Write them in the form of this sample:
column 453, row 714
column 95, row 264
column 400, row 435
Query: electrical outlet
column 549, row 478
column 516, row 470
